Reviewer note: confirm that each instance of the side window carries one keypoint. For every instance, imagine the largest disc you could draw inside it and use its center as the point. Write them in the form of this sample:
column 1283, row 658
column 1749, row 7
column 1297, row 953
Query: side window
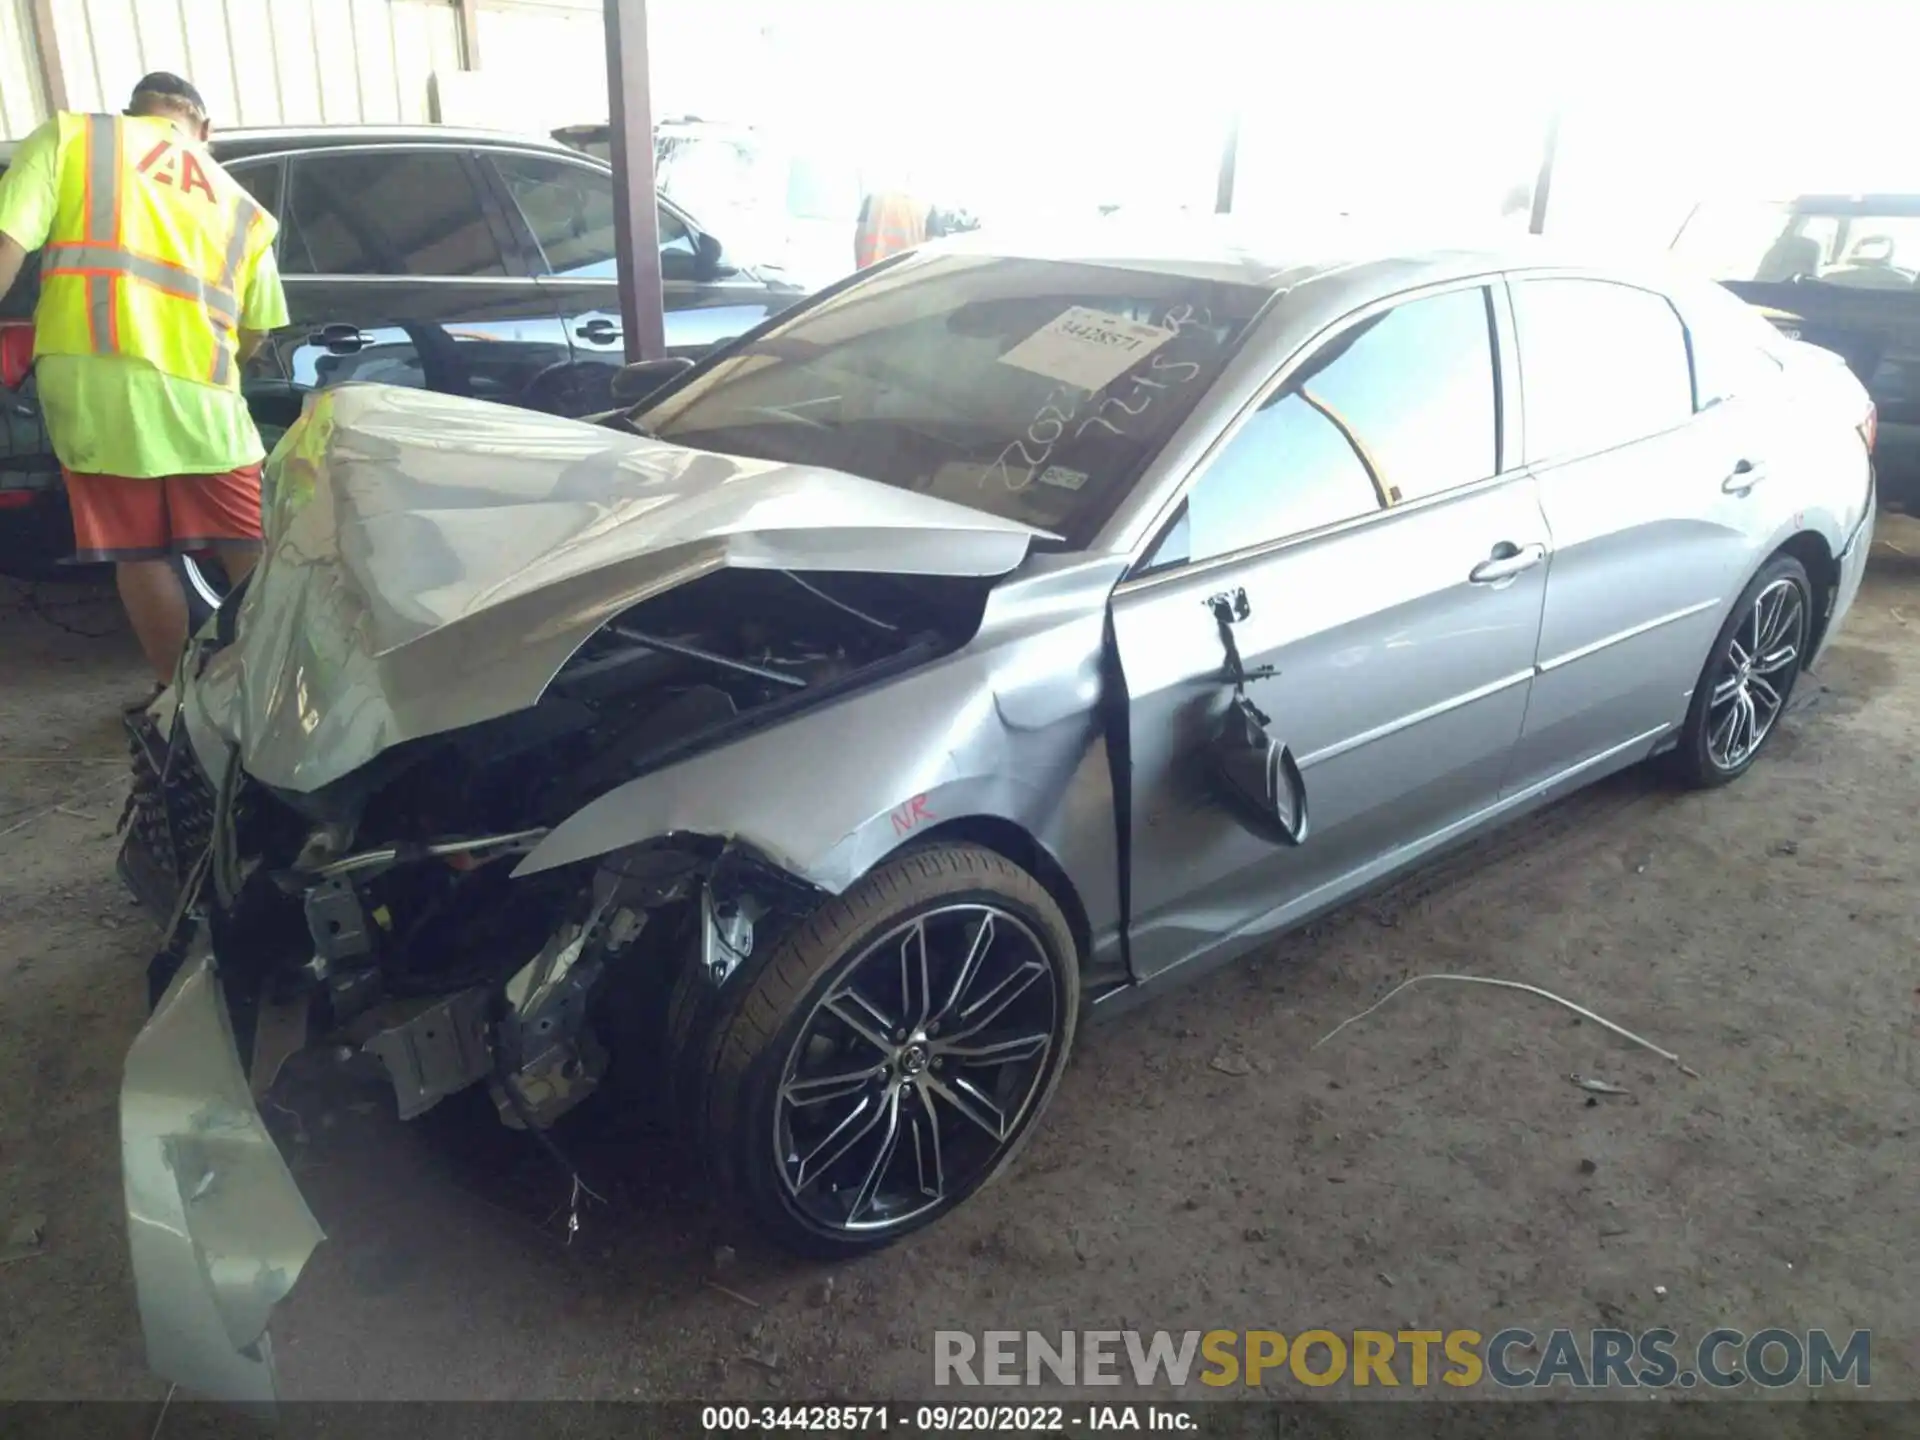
column 1398, row 407
column 1601, row 364
column 373, row 212
column 1731, row 345
column 262, row 180
column 569, row 209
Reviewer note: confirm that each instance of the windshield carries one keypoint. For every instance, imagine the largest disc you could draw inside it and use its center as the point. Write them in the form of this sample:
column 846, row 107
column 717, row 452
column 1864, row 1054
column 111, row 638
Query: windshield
column 1778, row 242
column 1036, row 390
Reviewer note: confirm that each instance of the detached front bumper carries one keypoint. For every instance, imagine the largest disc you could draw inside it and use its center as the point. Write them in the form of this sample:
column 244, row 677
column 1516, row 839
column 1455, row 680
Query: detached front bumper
column 216, row 1226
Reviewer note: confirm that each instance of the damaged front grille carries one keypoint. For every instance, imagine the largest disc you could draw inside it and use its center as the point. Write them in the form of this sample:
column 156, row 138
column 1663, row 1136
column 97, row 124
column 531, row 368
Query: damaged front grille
column 169, row 817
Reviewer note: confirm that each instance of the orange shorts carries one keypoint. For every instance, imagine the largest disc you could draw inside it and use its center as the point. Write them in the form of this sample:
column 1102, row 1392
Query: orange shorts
column 121, row 517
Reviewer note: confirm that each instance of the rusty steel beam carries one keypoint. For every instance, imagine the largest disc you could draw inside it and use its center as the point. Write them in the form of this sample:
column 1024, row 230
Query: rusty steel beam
column 467, row 19
column 1229, row 162
column 636, row 214
column 1543, row 183
column 53, row 76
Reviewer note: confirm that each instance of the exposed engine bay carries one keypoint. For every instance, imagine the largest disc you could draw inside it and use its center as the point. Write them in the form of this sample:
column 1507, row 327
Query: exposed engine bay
column 381, row 911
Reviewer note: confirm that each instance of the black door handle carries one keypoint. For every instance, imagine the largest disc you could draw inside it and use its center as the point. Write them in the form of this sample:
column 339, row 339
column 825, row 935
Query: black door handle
column 600, row 332
column 340, row 339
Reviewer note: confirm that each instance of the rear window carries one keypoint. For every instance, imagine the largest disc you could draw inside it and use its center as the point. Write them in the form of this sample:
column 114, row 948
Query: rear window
column 1035, row 390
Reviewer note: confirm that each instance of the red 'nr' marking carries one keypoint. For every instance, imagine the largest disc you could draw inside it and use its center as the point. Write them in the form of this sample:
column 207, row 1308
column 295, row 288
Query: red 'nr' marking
column 911, row 815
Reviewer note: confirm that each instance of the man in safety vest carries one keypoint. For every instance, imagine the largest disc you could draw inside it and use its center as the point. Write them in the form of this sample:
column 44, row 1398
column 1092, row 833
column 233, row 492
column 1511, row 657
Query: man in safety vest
column 156, row 285
column 890, row 221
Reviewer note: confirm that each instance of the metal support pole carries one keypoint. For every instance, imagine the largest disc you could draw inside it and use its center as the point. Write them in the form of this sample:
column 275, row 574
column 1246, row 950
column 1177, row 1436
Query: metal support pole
column 467, row 21
column 1229, row 158
column 53, row 76
column 1543, row 183
column 636, row 215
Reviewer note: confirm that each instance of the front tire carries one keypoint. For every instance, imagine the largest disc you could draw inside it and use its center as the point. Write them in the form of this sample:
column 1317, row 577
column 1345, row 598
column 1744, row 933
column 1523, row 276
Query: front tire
column 890, row 1056
column 1749, row 677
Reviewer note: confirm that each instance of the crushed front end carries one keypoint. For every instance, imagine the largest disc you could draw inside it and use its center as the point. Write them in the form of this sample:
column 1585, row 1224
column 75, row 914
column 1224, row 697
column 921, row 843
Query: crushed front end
column 381, row 920
column 470, row 625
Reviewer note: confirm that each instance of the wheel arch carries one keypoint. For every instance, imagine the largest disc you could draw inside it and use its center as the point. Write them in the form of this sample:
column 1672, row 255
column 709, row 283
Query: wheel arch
column 1813, row 552
column 1014, row 842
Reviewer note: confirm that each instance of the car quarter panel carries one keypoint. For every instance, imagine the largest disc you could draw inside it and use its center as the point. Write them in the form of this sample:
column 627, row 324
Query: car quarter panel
column 1653, row 540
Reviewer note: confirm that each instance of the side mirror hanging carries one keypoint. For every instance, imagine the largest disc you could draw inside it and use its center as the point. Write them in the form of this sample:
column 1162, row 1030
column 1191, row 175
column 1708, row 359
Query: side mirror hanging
column 1257, row 776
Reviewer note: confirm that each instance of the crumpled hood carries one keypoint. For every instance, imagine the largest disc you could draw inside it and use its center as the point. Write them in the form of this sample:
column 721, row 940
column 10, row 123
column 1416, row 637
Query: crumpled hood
column 432, row 561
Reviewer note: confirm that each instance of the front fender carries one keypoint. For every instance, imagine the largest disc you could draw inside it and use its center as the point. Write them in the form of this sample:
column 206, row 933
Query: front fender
column 829, row 794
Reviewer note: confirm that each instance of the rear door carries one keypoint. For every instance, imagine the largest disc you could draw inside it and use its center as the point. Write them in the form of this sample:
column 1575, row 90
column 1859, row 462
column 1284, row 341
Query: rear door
column 1647, row 498
column 399, row 267
column 562, row 213
column 1388, row 566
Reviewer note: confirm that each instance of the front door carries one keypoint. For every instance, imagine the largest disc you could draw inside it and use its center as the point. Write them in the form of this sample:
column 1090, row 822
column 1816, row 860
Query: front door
column 1374, row 555
column 398, row 268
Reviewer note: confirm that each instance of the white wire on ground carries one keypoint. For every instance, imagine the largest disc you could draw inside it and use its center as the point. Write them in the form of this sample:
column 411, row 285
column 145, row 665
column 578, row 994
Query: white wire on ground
column 1579, row 1010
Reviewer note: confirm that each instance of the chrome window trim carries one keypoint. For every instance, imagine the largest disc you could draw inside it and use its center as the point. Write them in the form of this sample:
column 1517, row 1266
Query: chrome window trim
column 351, row 277
column 1333, row 329
column 470, row 147
column 1132, row 584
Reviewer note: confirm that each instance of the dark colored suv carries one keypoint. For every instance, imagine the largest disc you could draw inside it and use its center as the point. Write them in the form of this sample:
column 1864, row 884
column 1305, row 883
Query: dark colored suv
column 467, row 261
column 1838, row 271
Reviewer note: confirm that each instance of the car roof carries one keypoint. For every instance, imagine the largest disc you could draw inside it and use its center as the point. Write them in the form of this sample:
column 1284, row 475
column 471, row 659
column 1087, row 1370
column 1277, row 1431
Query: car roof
column 273, row 140
column 1276, row 255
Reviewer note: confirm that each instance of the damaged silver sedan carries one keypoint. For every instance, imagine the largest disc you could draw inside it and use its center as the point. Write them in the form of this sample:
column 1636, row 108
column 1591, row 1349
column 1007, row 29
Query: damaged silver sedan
column 988, row 639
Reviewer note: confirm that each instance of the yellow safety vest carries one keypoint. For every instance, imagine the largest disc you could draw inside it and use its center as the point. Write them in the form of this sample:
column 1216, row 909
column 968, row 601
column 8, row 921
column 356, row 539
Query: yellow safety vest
column 891, row 222
column 150, row 244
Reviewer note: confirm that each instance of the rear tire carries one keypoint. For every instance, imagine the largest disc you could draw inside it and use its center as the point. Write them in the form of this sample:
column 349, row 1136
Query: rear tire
column 1748, row 680
column 962, row 982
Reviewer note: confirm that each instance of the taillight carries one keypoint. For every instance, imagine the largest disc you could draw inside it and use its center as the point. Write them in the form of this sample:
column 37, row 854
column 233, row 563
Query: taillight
column 1870, row 427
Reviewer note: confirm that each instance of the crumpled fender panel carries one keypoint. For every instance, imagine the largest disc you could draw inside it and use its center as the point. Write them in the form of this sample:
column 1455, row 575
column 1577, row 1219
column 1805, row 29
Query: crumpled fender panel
column 1010, row 728
column 216, row 1227
column 432, row 562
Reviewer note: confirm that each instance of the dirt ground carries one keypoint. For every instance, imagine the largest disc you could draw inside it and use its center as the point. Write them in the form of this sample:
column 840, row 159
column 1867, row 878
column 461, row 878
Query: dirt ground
column 1432, row 1167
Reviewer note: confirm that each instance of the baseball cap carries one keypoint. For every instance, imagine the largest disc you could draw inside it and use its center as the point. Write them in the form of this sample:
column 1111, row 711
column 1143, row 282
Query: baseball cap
column 164, row 82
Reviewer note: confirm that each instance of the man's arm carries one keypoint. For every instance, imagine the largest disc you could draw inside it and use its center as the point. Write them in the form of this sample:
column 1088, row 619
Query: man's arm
column 27, row 201
column 12, row 256
column 263, row 305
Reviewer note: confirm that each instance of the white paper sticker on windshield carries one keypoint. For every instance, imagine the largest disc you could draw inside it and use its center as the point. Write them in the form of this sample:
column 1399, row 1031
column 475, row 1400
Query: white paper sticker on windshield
column 1086, row 348
column 1061, row 476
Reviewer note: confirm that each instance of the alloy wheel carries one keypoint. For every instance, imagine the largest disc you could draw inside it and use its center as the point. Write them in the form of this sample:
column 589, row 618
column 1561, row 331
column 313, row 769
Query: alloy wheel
column 208, row 591
column 1762, row 660
column 915, row 1072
